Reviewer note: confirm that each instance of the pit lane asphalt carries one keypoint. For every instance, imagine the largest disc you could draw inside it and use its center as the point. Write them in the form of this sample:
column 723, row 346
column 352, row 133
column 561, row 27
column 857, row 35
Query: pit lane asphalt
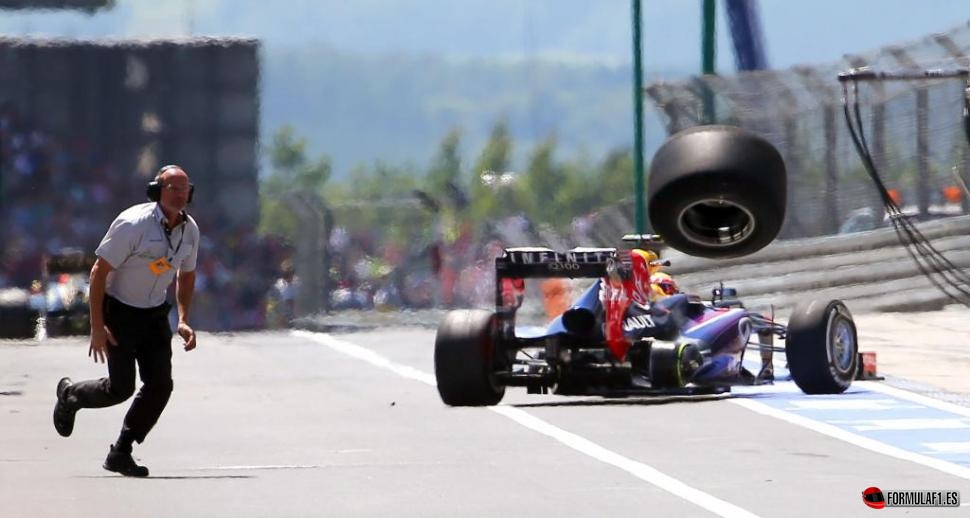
column 276, row 424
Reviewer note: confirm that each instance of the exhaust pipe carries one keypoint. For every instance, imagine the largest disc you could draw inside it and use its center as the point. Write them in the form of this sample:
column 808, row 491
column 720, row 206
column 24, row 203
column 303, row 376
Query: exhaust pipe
column 579, row 320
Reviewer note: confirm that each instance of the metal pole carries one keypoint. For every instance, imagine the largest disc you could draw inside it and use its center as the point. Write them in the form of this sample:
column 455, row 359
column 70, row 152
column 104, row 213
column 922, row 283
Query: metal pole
column 707, row 38
column 638, row 122
column 708, row 52
column 922, row 122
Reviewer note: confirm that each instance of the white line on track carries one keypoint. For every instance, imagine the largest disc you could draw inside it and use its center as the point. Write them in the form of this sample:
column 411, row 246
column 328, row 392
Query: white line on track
column 640, row 470
column 938, row 404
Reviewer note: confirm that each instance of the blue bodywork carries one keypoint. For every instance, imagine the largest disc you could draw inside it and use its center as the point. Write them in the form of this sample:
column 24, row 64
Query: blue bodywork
column 721, row 334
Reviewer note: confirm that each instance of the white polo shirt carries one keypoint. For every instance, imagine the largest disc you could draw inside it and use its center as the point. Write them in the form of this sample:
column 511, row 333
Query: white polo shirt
column 144, row 258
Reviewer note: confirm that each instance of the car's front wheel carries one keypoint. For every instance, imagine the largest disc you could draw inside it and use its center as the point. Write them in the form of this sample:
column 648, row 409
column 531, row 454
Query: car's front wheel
column 822, row 347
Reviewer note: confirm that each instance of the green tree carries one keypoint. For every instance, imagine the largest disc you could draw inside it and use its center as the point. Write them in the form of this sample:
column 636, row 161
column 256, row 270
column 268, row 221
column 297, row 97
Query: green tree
column 382, row 183
column 541, row 184
column 579, row 193
column 380, row 201
column 291, row 173
column 492, row 199
column 445, row 170
column 613, row 179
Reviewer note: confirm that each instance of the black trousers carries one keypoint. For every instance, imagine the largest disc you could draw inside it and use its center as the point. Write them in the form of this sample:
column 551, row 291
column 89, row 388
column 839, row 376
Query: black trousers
column 144, row 337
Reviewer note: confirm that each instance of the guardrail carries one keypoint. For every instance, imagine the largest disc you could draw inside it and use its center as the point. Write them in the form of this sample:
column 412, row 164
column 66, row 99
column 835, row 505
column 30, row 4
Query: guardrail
column 871, row 270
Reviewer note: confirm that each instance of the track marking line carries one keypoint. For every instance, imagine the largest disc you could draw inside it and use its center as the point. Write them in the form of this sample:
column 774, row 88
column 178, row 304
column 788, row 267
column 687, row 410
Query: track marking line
column 639, row 470
column 938, row 404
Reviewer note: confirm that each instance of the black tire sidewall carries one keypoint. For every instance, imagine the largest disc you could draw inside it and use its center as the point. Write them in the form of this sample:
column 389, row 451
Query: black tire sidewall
column 808, row 347
column 670, row 202
column 717, row 162
column 465, row 359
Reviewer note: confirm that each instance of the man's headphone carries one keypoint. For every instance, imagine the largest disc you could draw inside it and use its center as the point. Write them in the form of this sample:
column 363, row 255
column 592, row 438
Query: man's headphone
column 154, row 188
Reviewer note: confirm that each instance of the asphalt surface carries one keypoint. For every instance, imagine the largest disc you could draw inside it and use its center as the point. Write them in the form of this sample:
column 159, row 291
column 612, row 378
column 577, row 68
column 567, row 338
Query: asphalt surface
column 315, row 424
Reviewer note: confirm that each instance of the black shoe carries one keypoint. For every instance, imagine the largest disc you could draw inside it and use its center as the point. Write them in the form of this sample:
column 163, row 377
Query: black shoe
column 121, row 462
column 64, row 410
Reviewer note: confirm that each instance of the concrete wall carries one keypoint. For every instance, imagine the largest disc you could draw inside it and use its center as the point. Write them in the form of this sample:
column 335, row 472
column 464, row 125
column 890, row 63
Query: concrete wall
column 871, row 271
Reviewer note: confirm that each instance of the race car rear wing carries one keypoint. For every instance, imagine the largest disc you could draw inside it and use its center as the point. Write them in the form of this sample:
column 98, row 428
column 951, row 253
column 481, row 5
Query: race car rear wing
column 517, row 264
column 539, row 262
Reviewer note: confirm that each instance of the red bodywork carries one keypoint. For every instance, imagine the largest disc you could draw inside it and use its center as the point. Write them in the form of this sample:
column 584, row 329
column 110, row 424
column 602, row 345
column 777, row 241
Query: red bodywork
column 618, row 292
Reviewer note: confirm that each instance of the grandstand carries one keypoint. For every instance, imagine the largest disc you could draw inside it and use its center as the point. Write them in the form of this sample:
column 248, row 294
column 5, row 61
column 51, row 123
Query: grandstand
column 85, row 124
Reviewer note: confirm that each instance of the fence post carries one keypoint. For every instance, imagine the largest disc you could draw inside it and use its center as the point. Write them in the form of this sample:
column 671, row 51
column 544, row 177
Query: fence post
column 313, row 258
column 326, row 283
column 878, row 130
column 922, row 134
column 955, row 52
column 827, row 97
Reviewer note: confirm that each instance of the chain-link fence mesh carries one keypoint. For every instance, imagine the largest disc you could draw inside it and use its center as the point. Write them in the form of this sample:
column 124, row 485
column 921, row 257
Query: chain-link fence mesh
column 914, row 129
column 408, row 254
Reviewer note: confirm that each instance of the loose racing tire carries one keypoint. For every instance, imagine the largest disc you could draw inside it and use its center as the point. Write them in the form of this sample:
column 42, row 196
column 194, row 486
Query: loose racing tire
column 717, row 192
column 465, row 359
column 822, row 347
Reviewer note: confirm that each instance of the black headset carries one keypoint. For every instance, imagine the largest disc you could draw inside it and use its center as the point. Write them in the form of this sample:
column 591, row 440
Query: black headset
column 154, row 188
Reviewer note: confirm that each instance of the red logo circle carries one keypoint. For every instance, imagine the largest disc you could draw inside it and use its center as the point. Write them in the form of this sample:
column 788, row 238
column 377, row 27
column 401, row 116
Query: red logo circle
column 874, row 498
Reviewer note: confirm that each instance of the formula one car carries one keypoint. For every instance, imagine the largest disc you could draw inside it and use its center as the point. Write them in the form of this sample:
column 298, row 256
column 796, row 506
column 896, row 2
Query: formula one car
column 58, row 301
column 713, row 191
column 65, row 287
column 628, row 335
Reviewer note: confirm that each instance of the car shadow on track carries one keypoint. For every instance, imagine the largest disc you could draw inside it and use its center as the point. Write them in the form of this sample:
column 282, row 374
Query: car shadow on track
column 173, row 477
column 765, row 392
column 627, row 401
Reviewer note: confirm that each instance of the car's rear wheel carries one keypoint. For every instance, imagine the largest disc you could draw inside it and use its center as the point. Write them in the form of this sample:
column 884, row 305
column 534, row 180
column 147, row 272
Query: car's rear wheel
column 822, row 347
column 465, row 359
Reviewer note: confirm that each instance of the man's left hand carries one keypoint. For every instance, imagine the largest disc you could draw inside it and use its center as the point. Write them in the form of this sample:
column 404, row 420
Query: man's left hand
column 188, row 335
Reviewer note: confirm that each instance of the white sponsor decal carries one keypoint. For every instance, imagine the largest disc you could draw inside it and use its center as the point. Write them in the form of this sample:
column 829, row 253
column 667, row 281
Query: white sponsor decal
column 550, row 256
column 638, row 322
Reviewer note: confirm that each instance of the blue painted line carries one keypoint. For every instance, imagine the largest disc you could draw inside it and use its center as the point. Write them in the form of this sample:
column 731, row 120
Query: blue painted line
column 915, row 424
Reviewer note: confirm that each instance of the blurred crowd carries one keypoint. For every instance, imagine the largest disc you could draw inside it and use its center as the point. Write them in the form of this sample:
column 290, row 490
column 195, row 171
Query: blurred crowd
column 58, row 193
column 451, row 266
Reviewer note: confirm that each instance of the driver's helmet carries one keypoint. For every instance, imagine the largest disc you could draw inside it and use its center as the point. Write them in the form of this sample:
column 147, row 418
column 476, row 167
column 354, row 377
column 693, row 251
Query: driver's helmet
column 642, row 271
column 663, row 284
